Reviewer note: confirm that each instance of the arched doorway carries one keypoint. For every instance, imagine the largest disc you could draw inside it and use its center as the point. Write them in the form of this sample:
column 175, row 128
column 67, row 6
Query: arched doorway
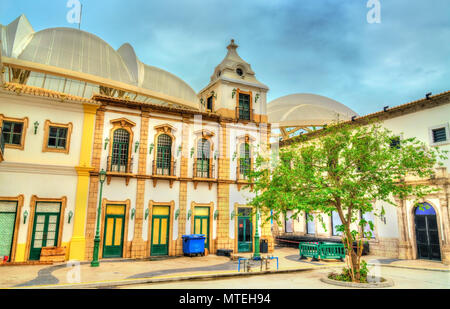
column 427, row 233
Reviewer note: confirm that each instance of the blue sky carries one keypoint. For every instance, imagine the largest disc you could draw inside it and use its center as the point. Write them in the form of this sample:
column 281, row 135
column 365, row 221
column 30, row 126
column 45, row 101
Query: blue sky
column 325, row 47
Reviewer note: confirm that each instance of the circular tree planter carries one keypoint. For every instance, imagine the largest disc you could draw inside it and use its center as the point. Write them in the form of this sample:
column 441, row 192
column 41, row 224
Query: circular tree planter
column 372, row 284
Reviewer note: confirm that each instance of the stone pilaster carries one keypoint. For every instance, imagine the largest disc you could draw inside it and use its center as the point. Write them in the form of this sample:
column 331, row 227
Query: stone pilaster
column 445, row 250
column 94, row 183
column 138, row 246
column 184, row 161
column 404, row 245
column 223, row 240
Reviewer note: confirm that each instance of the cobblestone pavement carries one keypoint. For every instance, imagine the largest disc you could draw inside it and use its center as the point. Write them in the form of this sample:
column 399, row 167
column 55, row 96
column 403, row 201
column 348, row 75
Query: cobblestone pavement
column 403, row 279
column 116, row 270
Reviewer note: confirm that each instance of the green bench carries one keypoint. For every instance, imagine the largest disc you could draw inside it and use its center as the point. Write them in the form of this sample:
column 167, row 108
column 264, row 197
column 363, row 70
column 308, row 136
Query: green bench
column 321, row 251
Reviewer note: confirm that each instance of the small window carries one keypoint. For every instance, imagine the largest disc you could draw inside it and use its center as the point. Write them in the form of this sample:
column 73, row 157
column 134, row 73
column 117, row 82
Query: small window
column 310, row 225
column 368, row 216
column 335, row 221
column 57, row 137
column 12, row 132
column 244, row 106
column 239, row 72
column 395, row 142
column 209, row 103
column 439, row 135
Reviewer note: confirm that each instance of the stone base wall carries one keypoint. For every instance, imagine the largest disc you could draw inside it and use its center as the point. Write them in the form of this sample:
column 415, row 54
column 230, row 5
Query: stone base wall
column 385, row 247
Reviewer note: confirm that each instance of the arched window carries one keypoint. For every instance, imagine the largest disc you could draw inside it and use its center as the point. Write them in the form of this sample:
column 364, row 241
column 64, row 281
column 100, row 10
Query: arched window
column 203, row 158
column 120, row 148
column 244, row 160
column 164, row 155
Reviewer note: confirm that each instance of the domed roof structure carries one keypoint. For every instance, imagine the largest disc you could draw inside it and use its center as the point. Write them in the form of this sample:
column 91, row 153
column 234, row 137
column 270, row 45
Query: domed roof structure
column 305, row 109
column 79, row 51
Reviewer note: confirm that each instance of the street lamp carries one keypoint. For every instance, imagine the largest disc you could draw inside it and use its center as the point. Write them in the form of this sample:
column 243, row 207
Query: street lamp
column 256, row 254
column 95, row 262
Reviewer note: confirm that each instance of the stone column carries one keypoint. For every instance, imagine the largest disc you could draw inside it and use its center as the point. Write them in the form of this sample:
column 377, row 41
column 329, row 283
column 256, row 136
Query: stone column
column 184, row 166
column 404, row 245
column 445, row 250
column 138, row 246
column 94, row 183
column 223, row 240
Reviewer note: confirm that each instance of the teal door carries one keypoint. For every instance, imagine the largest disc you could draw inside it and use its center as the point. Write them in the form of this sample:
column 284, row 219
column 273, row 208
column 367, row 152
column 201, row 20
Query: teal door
column 8, row 213
column 245, row 230
column 160, row 231
column 113, row 233
column 45, row 228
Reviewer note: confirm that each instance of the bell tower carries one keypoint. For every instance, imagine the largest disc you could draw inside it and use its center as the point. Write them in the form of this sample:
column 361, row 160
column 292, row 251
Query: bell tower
column 233, row 90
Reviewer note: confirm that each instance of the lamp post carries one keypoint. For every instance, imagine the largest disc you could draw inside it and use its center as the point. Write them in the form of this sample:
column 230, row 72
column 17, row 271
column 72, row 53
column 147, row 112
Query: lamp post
column 256, row 254
column 95, row 262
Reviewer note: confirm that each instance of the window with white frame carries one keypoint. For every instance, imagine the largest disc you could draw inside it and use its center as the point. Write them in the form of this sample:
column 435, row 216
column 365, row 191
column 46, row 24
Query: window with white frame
column 439, row 135
column 335, row 221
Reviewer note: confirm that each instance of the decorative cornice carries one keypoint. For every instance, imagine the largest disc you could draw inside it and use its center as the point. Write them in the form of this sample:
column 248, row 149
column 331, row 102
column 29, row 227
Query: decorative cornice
column 15, row 167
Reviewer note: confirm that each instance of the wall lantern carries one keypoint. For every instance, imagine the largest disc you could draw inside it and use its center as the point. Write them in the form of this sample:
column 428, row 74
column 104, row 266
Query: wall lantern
column 256, row 98
column 70, row 216
column 192, row 151
column 36, row 126
column 189, row 214
column 25, row 216
column 151, row 148
column 383, row 219
column 233, row 214
column 133, row 212
column 216, row 214
column 233, row 93
column 106, row 142
column 136, row 146
column 102, row 176
column 147, row 211
column 216, row 154
column 179, row 150
column 177, row 214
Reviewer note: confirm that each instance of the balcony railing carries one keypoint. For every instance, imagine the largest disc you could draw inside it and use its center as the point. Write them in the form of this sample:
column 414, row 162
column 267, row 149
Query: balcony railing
column 164, row 168
column 244, row 114
column 119, row 165
column 205, row 170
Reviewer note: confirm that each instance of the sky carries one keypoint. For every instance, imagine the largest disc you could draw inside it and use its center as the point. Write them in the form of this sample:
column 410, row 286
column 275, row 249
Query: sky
column 324, row 47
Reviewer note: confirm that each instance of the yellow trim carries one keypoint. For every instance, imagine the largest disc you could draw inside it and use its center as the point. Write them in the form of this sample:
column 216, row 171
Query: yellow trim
column 77, row 246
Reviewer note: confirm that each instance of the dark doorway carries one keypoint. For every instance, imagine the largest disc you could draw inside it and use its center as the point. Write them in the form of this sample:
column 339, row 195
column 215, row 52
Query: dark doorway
column 427, row 233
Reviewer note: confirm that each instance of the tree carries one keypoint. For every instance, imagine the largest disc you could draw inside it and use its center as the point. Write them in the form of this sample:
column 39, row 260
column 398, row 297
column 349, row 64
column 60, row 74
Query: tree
column 343, row 168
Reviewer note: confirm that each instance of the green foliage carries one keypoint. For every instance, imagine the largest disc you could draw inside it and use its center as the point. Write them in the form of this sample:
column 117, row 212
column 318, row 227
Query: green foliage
column 343, row 168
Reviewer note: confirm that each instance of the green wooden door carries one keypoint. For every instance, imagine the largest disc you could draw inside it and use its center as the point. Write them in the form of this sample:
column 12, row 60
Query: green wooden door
column 8, row 213
column 201, row 223
column 160, row 230
column 45, row 228
column 245, row 230
column 113, row 233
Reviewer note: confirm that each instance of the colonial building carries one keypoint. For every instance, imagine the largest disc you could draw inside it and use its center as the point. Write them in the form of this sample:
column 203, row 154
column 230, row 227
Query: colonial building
column 176, row 162
column 405, row 231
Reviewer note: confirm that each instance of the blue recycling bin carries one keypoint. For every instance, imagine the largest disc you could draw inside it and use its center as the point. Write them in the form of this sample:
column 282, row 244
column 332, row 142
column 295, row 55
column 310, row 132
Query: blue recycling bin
column 194, row 244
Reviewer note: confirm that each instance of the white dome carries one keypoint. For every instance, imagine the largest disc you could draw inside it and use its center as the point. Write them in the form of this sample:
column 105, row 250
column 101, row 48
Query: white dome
column 78, row 51
column 305, row 109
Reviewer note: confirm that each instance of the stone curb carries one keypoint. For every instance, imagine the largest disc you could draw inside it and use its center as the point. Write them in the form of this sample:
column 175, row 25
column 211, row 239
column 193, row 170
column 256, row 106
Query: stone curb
column 410, row 267
column 386, row 284
column 174, row 279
